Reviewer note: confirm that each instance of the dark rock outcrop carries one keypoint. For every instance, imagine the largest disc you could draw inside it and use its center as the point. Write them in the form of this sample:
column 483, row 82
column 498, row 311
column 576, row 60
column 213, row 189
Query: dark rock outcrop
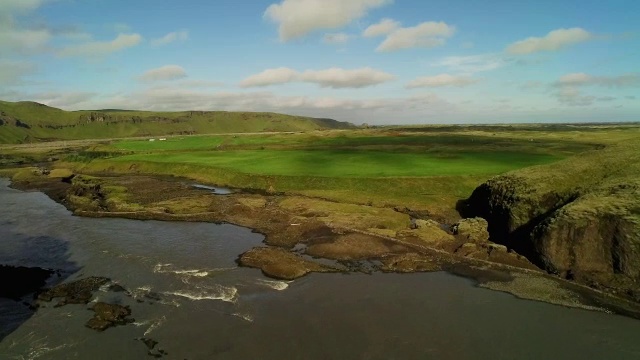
column 579, row 218
column 76, row 292
column 108, row 315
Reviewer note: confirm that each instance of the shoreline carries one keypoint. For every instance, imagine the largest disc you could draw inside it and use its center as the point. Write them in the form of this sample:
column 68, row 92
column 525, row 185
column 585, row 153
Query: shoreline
column 352, row 249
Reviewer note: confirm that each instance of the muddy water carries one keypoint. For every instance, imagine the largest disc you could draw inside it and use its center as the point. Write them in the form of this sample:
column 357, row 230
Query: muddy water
column 187, row 293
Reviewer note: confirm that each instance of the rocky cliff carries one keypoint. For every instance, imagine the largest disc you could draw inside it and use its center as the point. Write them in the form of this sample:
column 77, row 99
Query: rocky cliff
column 579, row 218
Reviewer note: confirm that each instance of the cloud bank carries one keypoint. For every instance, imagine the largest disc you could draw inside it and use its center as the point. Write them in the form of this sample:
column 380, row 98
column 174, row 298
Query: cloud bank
column 297, row 18
column 336, row 78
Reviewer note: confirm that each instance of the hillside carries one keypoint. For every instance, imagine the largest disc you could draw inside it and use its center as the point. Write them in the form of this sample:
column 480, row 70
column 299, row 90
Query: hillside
column 24, row 122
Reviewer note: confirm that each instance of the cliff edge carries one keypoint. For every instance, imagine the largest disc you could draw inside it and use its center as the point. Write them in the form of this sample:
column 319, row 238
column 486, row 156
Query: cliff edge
column 578, row 218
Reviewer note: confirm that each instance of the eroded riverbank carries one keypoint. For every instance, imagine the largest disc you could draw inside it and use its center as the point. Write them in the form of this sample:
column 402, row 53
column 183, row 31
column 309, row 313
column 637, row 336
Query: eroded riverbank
column 190, row 300
column 306, row 235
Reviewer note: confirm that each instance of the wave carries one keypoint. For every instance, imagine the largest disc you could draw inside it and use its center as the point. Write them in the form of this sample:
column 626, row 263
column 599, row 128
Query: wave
column 224, row 293
column 36, row 353
column 156, row 324
column 172, row 269
column 274, row 284
column 246, row 317
column 196, row 273
column 140, row 292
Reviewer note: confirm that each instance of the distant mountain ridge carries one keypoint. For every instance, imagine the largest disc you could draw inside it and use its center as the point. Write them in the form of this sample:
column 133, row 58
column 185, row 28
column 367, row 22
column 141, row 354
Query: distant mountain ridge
column 26, row 121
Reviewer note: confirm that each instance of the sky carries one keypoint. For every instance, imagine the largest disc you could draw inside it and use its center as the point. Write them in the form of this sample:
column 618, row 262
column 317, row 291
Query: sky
column 363, row 61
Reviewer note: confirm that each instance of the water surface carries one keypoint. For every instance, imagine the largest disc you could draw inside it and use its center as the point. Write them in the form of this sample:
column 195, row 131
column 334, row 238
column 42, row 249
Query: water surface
column 199, row 305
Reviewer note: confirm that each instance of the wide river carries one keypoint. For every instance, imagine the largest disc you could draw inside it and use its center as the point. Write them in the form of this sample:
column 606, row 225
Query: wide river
column 188, row 294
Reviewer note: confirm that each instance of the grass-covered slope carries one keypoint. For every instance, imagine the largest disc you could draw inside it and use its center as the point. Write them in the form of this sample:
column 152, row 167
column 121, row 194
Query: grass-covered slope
column 24, row 122
column 579, row 218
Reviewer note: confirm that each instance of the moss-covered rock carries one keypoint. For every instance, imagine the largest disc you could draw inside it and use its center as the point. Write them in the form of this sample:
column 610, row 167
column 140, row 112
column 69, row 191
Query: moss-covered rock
column 108, row 315
column 280, row 263
column 473, row 230
column 76, row 292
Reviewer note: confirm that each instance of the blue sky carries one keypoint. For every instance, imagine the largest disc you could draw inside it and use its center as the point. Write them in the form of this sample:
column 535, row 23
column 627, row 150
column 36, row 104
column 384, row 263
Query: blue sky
column 365, row 61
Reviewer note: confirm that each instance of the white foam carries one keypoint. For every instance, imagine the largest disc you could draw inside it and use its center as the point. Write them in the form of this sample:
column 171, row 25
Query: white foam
column 276, row 285
column 156, row 324
column 196, row 273
column 171, row 269
column 105, row 288
column 219, row 292
column 159, row 267
column 141, row 291
column 246, row 317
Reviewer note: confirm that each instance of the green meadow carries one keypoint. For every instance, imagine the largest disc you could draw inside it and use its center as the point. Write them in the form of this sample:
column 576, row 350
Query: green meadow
column 423, row 169
column 428, row 168
column 350, row 163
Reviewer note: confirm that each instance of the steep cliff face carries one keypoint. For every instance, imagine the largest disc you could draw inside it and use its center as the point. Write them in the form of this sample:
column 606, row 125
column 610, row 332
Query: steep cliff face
column 579, row 218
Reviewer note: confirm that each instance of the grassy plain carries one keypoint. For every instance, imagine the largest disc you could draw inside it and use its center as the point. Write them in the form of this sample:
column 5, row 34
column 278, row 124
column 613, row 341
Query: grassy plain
column 424, row 169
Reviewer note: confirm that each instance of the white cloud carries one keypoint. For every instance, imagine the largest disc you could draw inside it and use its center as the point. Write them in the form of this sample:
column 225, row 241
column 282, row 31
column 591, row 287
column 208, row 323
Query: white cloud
column 336, row 38
column 200, row 83
column 336, row 78
column 341, row 78
column 13, row 72
column 370, row 110
column 574, row 79
column 9, row 6
column 442, row 80
column 23, row 41
column 532, row 85
column 573, row 97
column 17, row 39
column 472, row 64
column 163, row 73
column 101, row 48
column 171, row 37
column 582, row 79
column 384, row 27
column 554, row 40
column 425, row 35
column 270, row 77
column 121, row 27
column 65, row 99
column 297, row 18
column 569, row 85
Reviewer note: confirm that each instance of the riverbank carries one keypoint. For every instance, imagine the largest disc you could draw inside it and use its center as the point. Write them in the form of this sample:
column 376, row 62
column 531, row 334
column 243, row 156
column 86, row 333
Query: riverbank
column 304, row 234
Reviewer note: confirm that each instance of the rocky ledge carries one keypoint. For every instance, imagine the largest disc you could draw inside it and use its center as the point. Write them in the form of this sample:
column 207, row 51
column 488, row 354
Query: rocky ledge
column 579, row 218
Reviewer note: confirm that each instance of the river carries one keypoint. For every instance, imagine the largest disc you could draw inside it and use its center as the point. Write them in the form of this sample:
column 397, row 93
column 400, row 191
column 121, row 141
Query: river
column 188, row 294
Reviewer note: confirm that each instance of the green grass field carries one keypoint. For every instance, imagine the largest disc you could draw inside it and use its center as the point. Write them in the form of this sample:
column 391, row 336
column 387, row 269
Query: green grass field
column 428, row 167
column 351, row 163
column 422, row 170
